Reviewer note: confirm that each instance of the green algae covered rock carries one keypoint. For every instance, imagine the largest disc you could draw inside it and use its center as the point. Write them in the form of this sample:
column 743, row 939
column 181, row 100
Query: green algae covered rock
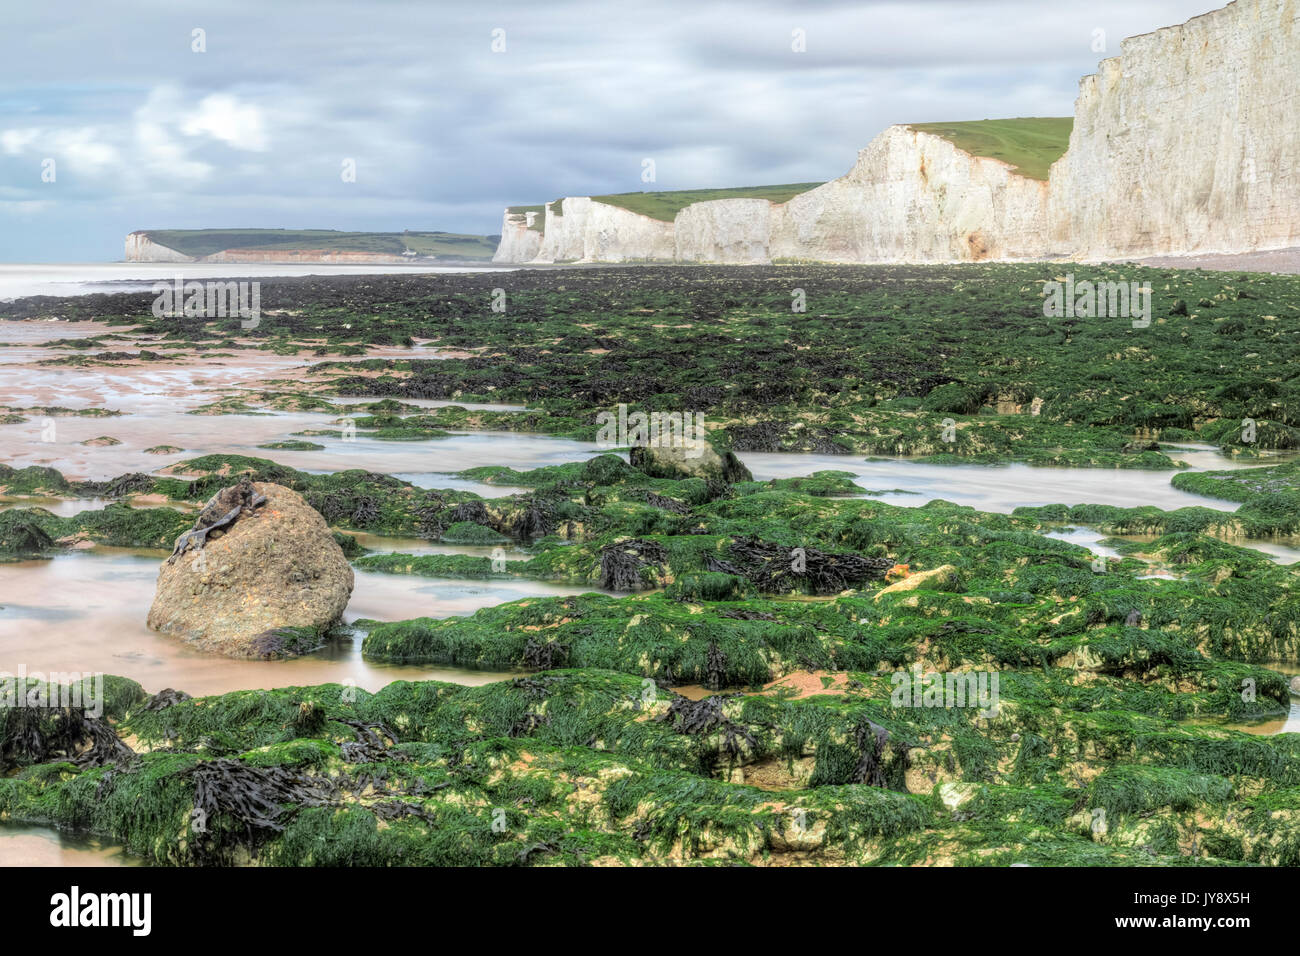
column 698, row 460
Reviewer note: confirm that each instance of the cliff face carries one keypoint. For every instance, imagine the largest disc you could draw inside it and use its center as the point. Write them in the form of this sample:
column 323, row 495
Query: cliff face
column 911, row 197
column 579, row 229
column 724, row 230
column 519, row 241
column 306, row 246
column 915, row 197
column 1188, row 141
column 140, row 248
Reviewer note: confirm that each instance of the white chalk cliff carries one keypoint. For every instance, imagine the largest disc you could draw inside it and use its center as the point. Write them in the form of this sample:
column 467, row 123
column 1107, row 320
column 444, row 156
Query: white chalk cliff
column 1187, row 142
column 520, row 241
column 140, row 248
column 915, row 197
column 579, row 229
column 911, row 197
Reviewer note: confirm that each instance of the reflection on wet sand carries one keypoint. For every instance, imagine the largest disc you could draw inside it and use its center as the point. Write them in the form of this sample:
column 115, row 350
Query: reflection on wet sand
column 157, row 398
column 1285, row 725
column 63, row 507
column 386, row 544
column 41, row 846
column 85, row 612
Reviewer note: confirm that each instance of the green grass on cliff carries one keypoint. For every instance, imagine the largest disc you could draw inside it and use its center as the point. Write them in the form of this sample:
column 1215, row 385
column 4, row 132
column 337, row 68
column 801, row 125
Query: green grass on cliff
column 666, row 205
column 539, row 221
column 1031, row 144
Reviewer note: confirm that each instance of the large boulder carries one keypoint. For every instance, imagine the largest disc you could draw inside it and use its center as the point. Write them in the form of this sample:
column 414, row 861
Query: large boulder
column 699, row 460
column 267, row 584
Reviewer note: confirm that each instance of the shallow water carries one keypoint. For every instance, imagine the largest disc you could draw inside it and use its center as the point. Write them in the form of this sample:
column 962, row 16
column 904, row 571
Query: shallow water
column 418, row 546
column 1091, row 538
column 156, row 400
column 424, row 463
column 1286, row 725
column 85, row 612
column 22, row 338
column 1290, row 724
column 22, row 845
column 1003, row 488
column 63, row 507
column 1085, row 538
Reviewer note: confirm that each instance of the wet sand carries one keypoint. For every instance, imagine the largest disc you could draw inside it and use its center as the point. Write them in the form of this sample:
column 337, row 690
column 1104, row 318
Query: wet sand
column 1284, row 261
column 85, row 612
column 40, row 846
column 156, row 399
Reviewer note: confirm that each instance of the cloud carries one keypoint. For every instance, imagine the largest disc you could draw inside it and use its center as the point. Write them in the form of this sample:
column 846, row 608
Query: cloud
column 163, row 157
column 84, row 150
column 224, row 117
column 16, row 141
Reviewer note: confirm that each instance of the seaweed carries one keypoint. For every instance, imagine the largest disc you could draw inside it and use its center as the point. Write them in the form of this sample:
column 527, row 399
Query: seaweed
column 373, row 742
column 871, row 739
column 258, row 800
column 666, row 503
column 167, row 697
column 37, row 734
column 631, row 565
column 134, row 483
column 706, row 717
column 773, row 568
column 22, row 534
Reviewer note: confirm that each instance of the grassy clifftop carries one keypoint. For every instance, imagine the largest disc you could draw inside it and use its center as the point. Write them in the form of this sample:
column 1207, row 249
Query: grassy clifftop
column 666, row 205
column 539, row 220
column 1031, row 144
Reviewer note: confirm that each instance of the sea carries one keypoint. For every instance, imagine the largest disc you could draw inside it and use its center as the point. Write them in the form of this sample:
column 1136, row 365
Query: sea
column 18, row 280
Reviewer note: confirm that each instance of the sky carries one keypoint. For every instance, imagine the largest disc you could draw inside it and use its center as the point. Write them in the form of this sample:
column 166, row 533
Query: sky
column 184, row 114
